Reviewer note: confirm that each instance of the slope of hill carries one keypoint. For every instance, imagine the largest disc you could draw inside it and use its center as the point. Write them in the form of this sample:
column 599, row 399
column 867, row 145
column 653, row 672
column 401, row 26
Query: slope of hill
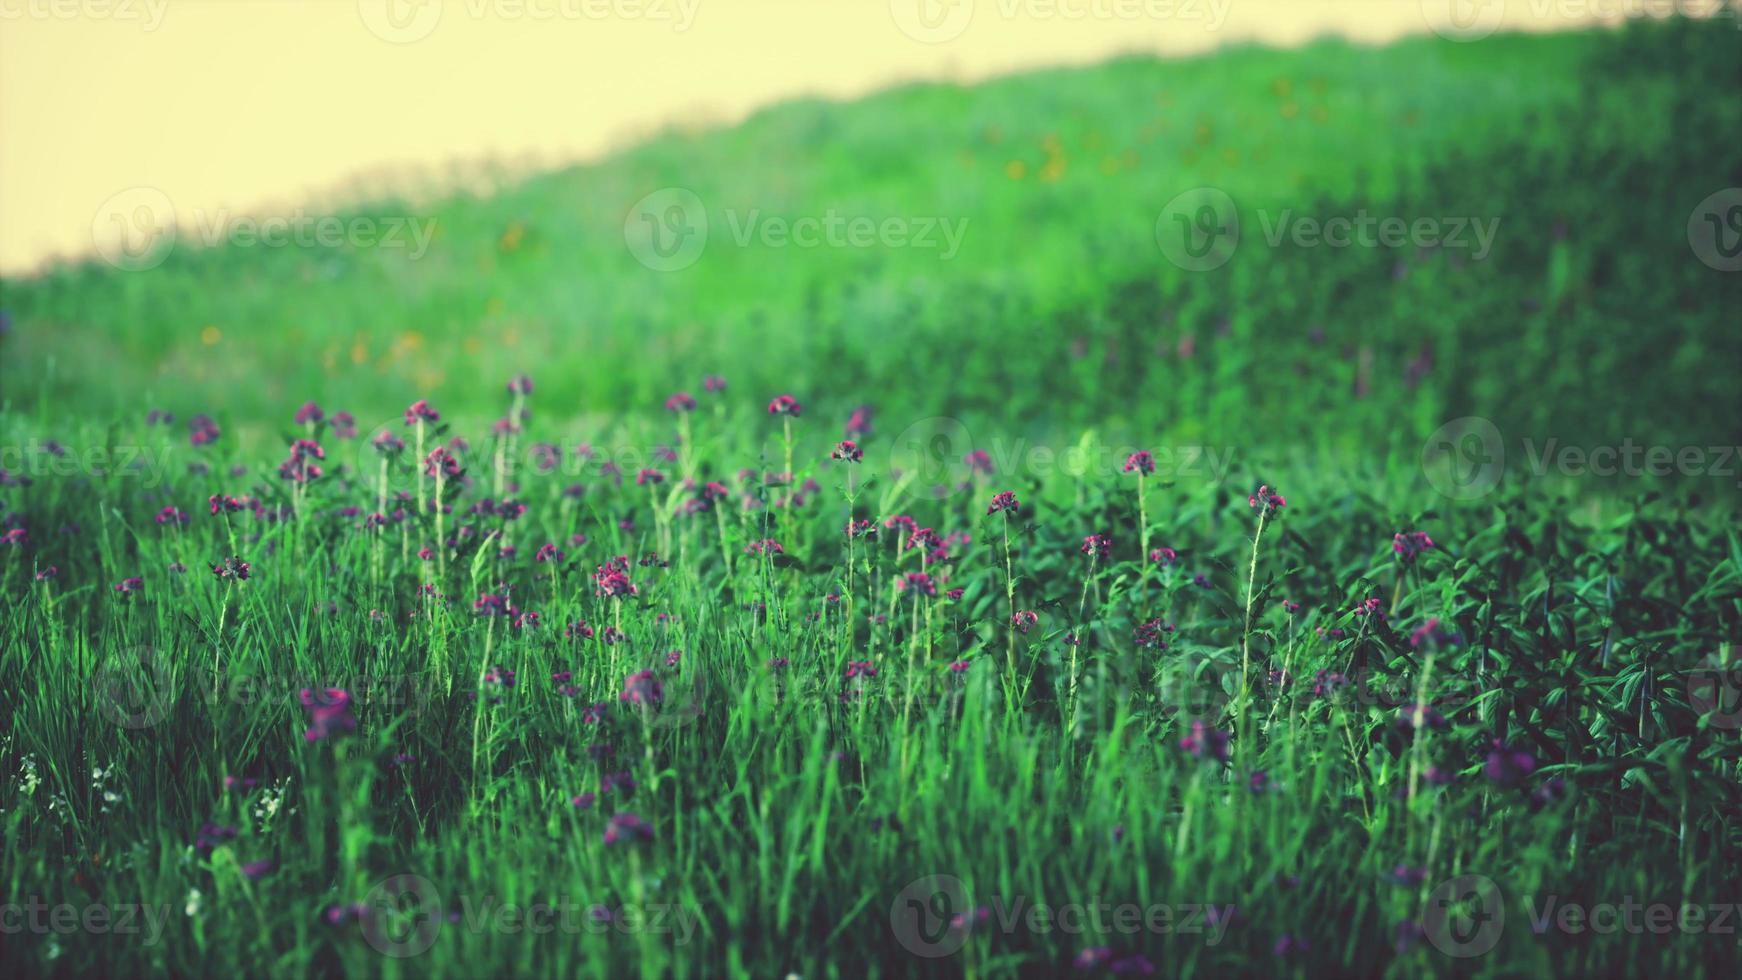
column 1015, row 258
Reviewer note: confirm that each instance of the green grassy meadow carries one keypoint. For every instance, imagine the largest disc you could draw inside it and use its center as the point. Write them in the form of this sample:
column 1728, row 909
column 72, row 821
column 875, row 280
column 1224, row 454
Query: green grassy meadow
column 578, row 677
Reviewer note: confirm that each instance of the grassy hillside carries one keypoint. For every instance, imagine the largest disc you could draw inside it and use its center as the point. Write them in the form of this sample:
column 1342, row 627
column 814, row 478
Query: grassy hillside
column 1585, row 153
column 314, row 703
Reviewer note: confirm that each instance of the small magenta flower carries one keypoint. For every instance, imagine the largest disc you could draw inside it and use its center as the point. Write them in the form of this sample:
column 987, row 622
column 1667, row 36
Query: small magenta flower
column 649, row 477
column 627, row 828
column 583, row 801
column 683, row 401
column 785, row 405
column 1407, row 876
column 612, row 579
column 767, row 546
column 309, row 412
column 1409, row 546
column 642, row 688
column 170, row 515
column 1153, row 634
column 621, row 783
column 847, row 451
column 130, row 586
column 420, row 411
column 917, row 584
column 713, row 383
column 344, row 425
column 202, row 431
column 978, row 461
column 520, row 384
column 1024, row 620
column 1140, row 462
column 545, row 456
column 549, row 553
column 1328, row 682
column 907, row 524
column 861, row 529
column 1550, row 792
column 232, row 567
column 301, row 466
column 1432, row 634
column 1093, row 958
column 1287, row 945
column 256, row 870
column 1266, row 502
column 924, row 539
column 1004, row 501
column 1136, row 965
column 1097, row 546
column 1370, row 609
column 1421, row 716
column 859, row 423
column 1204, row 742
column 1163, row 556
column 442, row 462
column 329, row 713
column 388, row 444
column 1507, row 766
column 959, row 667
column 861, row 668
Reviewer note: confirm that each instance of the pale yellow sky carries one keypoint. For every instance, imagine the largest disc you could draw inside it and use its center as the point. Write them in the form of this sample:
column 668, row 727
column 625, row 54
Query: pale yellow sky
column 259, row 106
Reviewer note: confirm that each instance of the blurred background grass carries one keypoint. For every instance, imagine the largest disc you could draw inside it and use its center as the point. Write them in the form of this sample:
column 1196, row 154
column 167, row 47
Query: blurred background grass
column 1590, row 321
